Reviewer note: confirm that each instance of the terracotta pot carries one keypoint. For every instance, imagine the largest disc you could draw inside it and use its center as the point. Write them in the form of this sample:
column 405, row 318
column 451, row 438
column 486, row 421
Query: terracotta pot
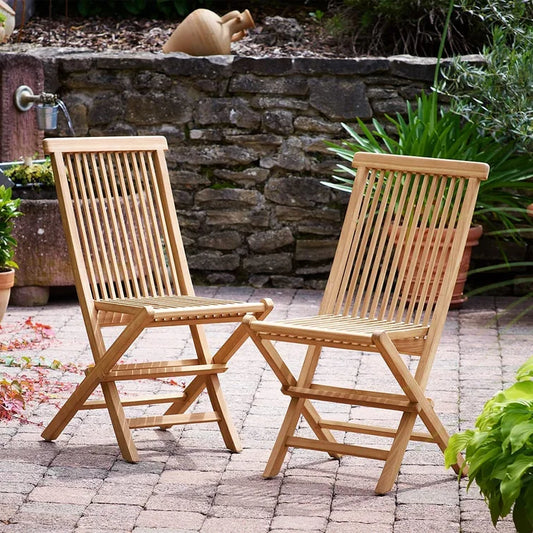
column 9, row 25
column 458, row 298
column 7, row 279
column 204, row 33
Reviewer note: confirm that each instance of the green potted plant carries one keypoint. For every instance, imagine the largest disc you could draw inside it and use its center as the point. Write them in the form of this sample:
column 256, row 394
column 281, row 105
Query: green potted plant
column 9, row 209
column 499, row 451
column 30, row 177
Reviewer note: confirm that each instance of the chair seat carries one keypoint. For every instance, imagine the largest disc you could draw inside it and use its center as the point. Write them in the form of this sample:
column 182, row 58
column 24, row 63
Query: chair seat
column 338, row 330
column 175, row 308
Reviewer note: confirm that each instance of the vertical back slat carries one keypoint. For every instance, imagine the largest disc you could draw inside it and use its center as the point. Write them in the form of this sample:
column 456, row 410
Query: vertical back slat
column 357, row 242
column 163, row 242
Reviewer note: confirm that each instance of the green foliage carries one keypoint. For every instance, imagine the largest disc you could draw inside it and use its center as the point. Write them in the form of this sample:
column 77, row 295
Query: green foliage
column 3, row 18
column 384, row 27
column 515, row 15
column 430, row 131
column 497, row 95
column 9, row 209
column 499, row 451
column 32, row 174
column 317, row 15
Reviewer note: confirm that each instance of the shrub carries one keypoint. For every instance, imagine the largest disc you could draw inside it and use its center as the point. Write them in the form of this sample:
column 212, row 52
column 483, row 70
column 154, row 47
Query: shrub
column 497, row 95
column 385, row 27
column 147, row 8
column 499, row 451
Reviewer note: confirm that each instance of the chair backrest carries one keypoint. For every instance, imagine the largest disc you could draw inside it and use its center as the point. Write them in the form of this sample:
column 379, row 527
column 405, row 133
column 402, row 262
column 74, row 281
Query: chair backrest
column 119, row 217
column 395, row 260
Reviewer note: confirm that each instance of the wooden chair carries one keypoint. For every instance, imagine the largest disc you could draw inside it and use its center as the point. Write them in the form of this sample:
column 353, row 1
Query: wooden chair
column 388, row 292
column 130, row 270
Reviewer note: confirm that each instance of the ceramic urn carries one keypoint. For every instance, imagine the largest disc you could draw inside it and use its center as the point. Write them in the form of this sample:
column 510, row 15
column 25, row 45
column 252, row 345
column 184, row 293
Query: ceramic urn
column 204, row 33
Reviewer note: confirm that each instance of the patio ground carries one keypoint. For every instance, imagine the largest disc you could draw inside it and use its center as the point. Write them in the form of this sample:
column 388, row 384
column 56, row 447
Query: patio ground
column 187, row 481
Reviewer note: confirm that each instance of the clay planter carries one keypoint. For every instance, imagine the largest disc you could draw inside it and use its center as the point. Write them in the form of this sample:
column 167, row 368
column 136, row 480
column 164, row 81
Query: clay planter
column 458, row 298
column 41, row 252
column 7, row 279
column 204, row 33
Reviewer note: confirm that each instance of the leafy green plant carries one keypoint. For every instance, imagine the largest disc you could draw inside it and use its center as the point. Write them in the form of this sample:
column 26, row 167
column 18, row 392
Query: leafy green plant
column 35, row 173
column 9, row 209
column 514, row 15
column 430, row 131
column 497, row 94
column 317, row 15
column 499, row 451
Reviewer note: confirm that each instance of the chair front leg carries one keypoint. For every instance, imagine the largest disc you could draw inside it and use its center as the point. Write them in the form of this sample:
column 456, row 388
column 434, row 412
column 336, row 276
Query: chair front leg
column 287, row 429
column 120, row 423
column 212, row 383
column 102, row 366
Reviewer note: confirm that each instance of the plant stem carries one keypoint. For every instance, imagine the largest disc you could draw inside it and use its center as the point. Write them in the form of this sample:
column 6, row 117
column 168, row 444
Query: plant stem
column 442, row 42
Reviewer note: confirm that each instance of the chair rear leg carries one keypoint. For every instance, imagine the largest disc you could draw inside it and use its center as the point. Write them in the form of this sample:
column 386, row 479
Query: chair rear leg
column 227, row 428
column 120, row 423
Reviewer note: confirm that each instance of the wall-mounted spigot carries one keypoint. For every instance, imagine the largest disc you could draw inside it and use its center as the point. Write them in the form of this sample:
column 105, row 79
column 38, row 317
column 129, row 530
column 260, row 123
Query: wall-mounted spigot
column 47, row 107
column 24, row 98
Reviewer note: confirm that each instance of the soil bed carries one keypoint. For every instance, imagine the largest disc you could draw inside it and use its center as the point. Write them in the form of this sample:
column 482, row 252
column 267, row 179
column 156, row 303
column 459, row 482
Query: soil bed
column 272, row 36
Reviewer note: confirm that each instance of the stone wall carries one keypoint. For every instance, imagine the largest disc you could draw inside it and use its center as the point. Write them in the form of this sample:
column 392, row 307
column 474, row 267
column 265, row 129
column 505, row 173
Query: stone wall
column 246, row 137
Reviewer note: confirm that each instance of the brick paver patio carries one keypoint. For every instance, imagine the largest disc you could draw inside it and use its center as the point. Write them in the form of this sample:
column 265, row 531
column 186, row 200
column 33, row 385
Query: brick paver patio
column 186, row 479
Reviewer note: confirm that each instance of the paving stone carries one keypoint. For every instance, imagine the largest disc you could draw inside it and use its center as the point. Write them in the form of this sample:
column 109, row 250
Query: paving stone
column 356, row 527
column 65, row 495
column 170, row 519
column 114, row 493
column 110, row 516
column 231, row 525
column 425, row 526
column 299, row 523
column 45, row 514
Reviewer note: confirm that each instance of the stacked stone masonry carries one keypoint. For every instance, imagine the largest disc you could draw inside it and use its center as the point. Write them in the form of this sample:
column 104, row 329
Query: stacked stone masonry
column 247, row 152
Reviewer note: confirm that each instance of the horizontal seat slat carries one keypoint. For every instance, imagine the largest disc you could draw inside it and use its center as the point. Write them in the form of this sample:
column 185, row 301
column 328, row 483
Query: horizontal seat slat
column 332, row 330
column 152, row 373
column 178, row 307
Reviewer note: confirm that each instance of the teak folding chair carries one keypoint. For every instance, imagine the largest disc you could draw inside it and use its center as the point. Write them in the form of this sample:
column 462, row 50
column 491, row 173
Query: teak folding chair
column 130, row 270
column 388, row 292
